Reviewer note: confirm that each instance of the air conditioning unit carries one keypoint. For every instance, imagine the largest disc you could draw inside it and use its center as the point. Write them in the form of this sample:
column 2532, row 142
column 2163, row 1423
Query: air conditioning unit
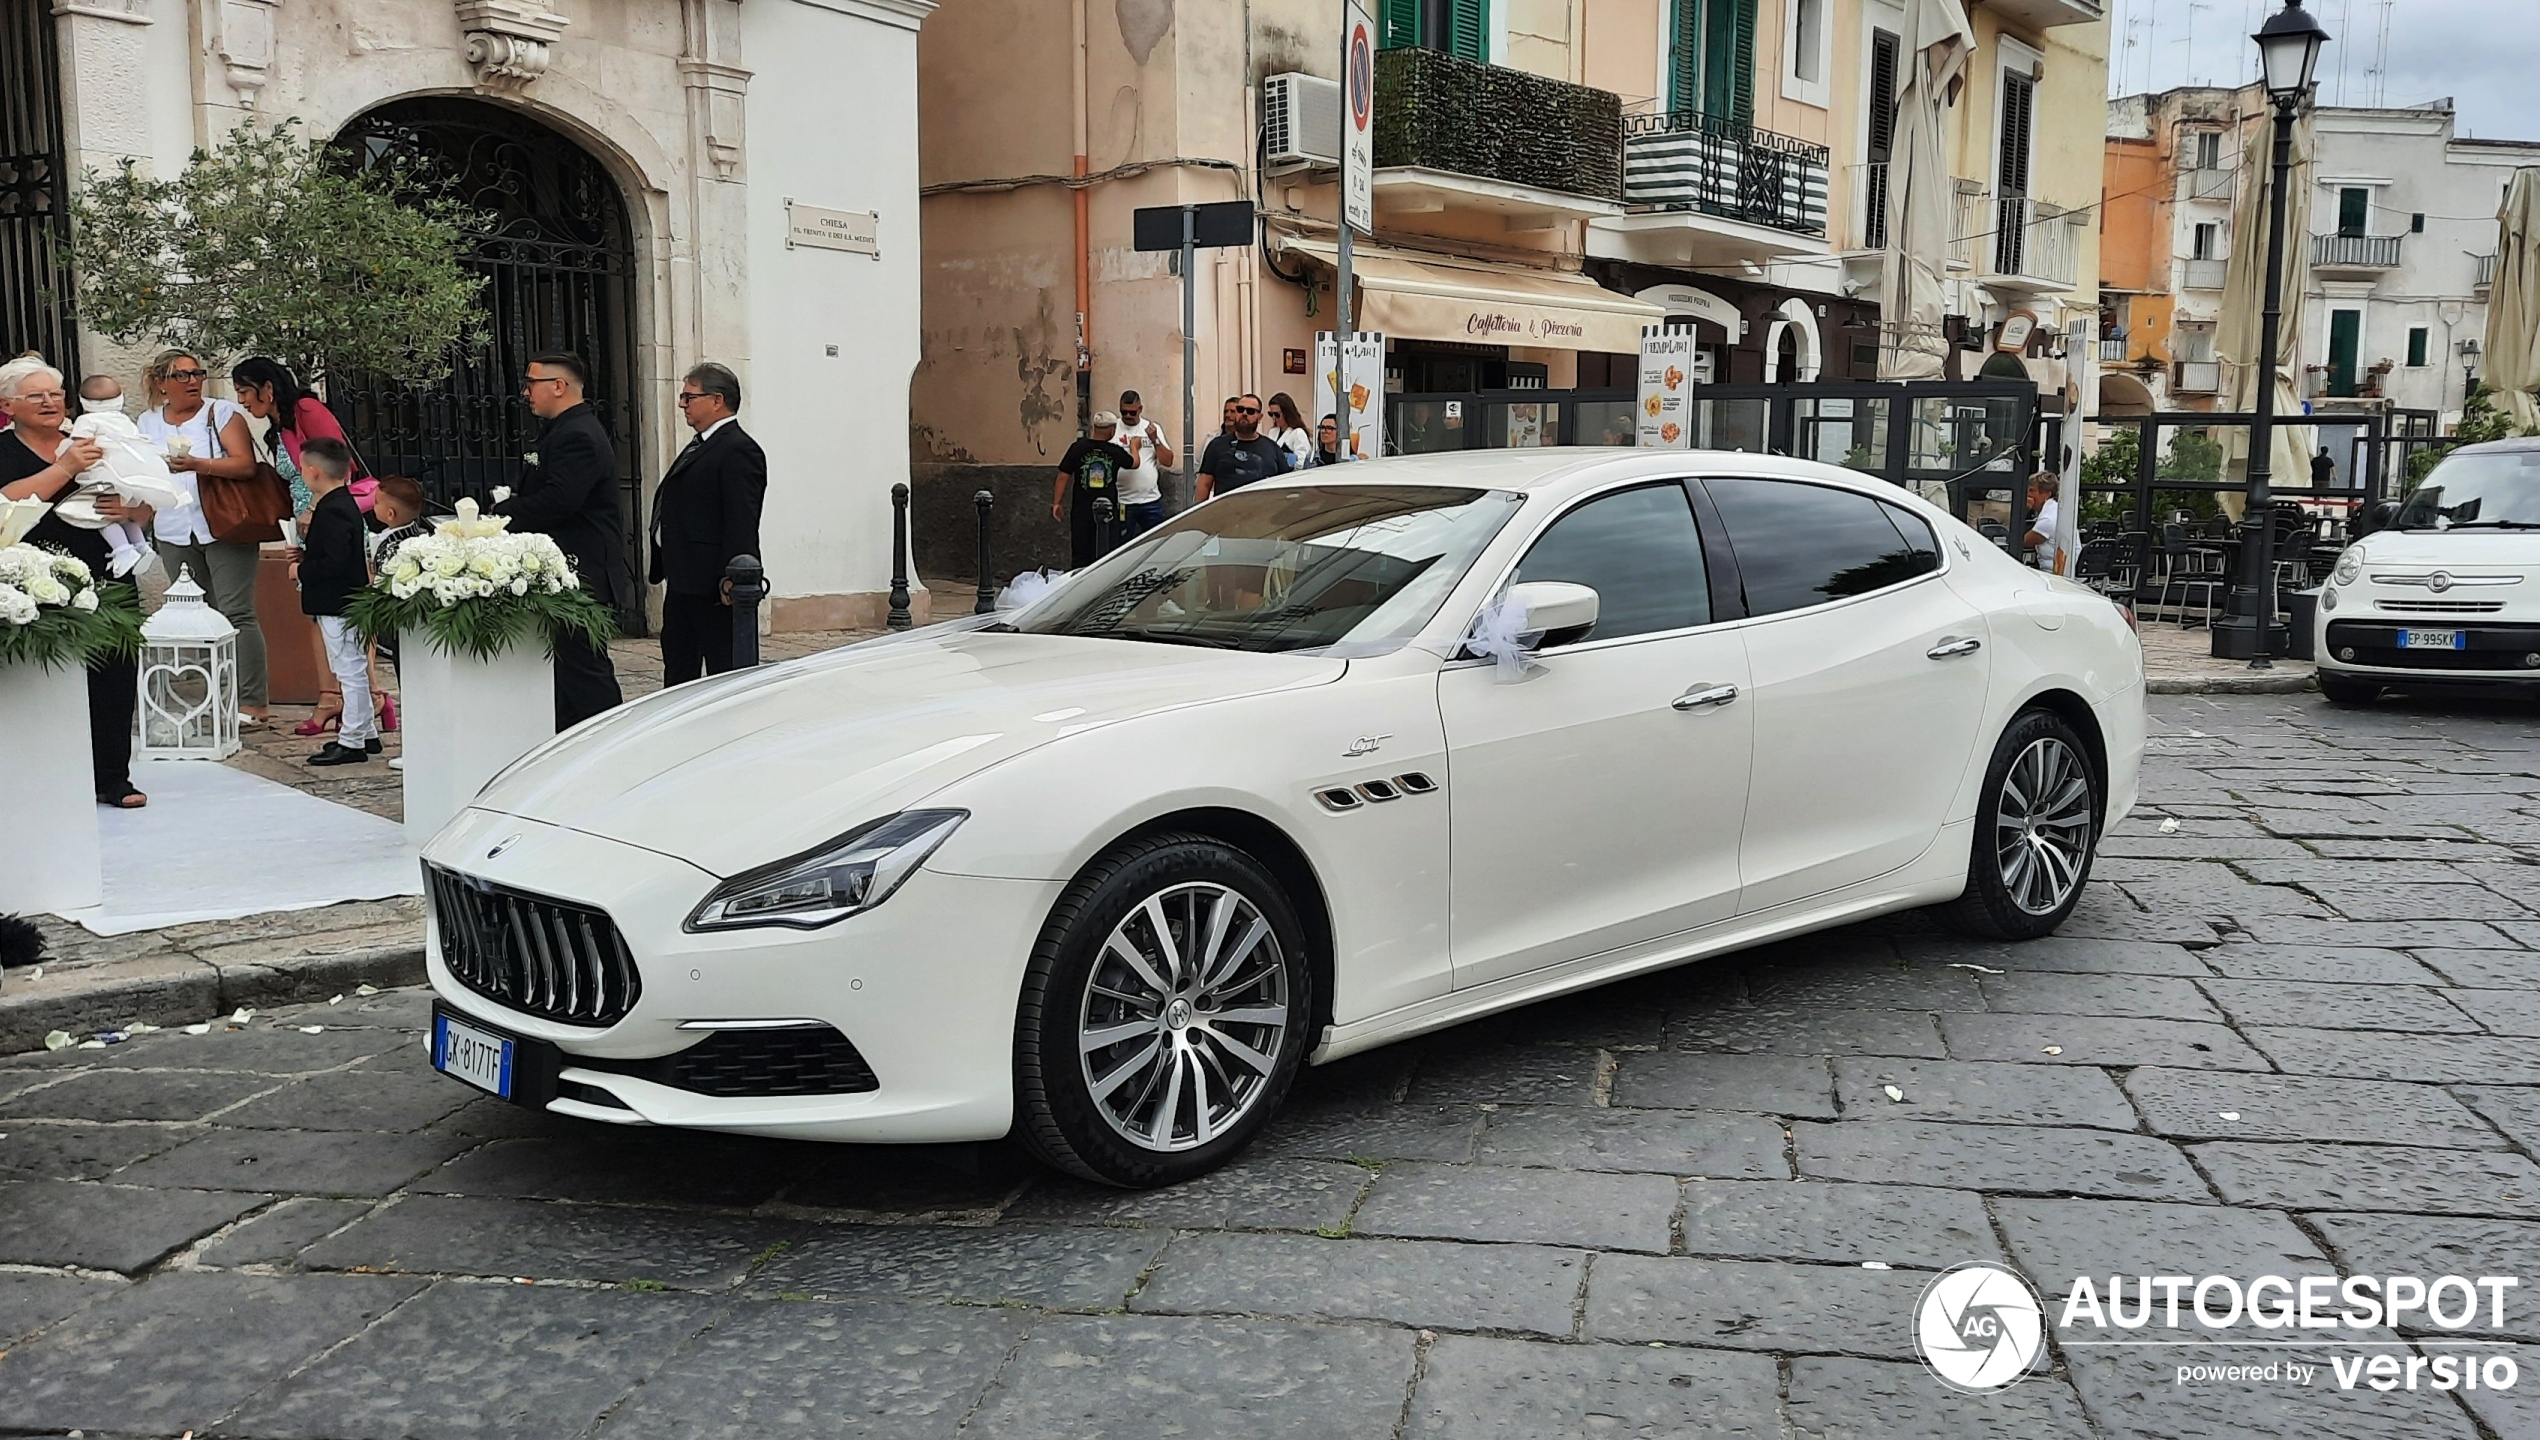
column 1300, row 121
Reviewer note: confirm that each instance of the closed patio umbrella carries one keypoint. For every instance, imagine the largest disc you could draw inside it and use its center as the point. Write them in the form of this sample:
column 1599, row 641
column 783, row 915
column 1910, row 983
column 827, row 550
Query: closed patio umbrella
column 1920, row 195
column 2513, row 303
column 2244, row 302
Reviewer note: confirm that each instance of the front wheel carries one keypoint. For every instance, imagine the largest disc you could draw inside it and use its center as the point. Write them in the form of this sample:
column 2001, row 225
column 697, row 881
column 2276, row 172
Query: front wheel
column 2342, row 691
column 1165, row 1013
column 2037, row 827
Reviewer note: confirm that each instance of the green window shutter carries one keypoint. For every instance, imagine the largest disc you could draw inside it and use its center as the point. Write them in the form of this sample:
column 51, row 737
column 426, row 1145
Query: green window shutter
column 1684, row 68
column 2416, row 345
column 1398, row 24
column 2354, row 210
column 2345, row 336
column 1468, row 30
column 1728, row 61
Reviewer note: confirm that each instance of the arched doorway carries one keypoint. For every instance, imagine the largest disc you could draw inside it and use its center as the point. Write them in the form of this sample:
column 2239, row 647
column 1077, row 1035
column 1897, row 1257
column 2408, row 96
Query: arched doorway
column 558, row 254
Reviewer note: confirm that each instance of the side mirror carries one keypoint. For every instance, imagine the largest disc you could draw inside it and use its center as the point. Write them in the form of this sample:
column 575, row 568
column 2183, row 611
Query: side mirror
column 1561, row 611
column 2377, row 515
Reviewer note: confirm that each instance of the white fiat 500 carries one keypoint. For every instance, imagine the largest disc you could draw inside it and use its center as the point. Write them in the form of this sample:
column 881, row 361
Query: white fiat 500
column 2448, row 592
column 1324, row 763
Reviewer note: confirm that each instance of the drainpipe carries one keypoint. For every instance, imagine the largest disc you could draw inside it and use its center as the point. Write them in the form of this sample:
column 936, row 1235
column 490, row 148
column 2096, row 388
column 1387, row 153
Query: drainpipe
column 1084, row 234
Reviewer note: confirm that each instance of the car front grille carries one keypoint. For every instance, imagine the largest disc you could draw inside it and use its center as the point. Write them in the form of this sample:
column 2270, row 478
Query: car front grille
column 549, row 958
column 802, row 1060
column 2441, row 607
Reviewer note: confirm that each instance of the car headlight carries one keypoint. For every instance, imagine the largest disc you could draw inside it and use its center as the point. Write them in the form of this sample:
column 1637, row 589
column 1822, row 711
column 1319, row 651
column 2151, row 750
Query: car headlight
column 846, row 876
column 2350, row 565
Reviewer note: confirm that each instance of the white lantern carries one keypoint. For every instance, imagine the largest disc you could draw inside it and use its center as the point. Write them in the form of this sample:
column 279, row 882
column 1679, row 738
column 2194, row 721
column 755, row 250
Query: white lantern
column 189, row 679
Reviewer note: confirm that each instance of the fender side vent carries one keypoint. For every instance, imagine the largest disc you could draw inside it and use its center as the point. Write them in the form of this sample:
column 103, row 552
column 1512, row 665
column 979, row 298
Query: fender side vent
column 1339, row 799
column 1415, row 783
column 1379, row 791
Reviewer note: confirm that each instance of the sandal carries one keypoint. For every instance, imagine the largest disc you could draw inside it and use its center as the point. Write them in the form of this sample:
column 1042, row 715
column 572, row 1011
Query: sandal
column 126, row 799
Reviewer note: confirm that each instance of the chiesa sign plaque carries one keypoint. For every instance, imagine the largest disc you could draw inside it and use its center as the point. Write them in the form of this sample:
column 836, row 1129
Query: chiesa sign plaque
column 858, row 232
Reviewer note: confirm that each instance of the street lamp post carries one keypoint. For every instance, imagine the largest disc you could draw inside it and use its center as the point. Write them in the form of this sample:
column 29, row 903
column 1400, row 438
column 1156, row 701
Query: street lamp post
column 2288, row 52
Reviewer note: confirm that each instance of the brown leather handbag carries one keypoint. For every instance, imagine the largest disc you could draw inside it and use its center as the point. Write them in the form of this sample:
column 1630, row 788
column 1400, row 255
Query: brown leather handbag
column 243, row 512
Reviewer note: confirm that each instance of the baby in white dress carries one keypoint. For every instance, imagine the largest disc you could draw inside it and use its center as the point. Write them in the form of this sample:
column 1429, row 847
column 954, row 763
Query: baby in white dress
column 133, row 469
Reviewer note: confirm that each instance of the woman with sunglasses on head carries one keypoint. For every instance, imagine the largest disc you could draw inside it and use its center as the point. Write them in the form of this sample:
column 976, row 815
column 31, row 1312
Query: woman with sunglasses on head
column 206, row 437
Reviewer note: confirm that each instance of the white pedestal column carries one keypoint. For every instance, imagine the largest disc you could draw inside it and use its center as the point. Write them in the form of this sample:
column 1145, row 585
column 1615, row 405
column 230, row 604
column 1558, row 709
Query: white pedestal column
column 464, row 720
column 48, row 790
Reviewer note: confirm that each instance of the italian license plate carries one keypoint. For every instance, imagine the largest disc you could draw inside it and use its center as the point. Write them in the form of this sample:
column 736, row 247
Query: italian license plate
column 2434, row 640
column 479, row 1057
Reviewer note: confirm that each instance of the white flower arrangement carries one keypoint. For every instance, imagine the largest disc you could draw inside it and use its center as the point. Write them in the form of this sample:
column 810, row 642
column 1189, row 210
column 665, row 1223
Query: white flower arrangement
column 49, row 601
column 475, row 587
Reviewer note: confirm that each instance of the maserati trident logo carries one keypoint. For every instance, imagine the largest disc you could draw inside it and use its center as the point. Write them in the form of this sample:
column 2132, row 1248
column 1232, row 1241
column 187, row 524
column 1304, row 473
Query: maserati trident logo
column 1979, row 1327
column 502, row 845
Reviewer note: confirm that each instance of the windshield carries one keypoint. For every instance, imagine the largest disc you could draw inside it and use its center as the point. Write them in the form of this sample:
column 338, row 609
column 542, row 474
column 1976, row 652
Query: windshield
column 1353, row 568
column 2492, row 490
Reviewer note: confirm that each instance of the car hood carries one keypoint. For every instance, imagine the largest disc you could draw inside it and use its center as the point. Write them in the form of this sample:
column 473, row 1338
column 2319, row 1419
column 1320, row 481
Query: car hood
column 743, row 769
column 2439, row 549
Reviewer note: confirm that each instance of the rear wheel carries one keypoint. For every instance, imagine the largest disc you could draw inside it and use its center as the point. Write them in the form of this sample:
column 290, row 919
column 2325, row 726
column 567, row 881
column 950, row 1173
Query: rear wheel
column 2037, row 827
column 1165, row 1013
column 2341, row 690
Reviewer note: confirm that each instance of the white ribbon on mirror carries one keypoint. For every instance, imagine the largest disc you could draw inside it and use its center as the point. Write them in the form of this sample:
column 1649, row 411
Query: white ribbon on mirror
column 1500, row 635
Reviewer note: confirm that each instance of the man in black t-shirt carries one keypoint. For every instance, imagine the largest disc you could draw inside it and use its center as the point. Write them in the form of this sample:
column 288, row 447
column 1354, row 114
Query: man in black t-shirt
column 1088, row 481
column 1234, row 461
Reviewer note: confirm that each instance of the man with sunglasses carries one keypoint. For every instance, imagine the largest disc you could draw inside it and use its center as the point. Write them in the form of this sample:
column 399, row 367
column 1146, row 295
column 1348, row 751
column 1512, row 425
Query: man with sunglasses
column 1234, row 461
column 568, row 490
column 705, row 513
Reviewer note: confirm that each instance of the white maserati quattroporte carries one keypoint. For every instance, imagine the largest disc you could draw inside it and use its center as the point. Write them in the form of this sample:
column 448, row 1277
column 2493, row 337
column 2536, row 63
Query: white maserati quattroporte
column 1321, row 764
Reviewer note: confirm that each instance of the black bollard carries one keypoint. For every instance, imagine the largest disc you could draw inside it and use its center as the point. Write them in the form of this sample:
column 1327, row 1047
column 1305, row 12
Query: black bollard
column 749, row 587
column 986, row 500
column 1103, row 513
column 899, row 619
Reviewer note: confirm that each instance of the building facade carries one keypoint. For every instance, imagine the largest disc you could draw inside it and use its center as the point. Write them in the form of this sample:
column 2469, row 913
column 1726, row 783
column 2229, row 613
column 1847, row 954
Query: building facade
column 647, row 170
column 1550, row 175
column 2400, row 249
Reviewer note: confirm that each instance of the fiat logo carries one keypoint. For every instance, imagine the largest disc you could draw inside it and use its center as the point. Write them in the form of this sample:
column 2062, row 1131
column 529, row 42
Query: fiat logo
column 2439, row 581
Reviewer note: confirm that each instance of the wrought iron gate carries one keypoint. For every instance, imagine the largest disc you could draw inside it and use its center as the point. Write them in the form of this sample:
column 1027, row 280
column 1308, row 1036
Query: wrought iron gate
column 35, row 277
column 559, row 258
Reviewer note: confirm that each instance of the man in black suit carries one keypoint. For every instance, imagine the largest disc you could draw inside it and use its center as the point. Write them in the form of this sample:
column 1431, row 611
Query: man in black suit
column 568, row 491
column 705, row 512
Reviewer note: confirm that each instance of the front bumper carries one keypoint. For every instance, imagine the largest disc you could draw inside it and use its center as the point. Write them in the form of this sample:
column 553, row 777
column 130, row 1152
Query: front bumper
column 2493, row 653
column 925, row 986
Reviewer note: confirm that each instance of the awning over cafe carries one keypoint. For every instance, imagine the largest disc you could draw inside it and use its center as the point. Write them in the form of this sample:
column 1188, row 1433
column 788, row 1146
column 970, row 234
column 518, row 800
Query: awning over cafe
column 1433, row 298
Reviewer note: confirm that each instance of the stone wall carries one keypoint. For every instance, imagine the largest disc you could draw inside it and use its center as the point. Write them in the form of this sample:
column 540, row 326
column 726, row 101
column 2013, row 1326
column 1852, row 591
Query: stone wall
column 944, row 524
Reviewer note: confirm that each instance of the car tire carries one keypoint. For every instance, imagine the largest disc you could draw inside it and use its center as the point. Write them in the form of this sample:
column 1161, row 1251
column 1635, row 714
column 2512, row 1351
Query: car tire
column 1203, row 1046
column 2030, row 857
column 2342, row 691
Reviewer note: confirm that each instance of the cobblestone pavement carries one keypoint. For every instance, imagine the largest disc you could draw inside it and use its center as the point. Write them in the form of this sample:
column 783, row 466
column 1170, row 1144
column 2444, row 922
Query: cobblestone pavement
column 2292, row 1030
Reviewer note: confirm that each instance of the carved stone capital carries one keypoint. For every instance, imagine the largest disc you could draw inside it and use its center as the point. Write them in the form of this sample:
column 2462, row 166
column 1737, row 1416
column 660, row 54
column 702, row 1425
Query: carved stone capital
column 509, row 42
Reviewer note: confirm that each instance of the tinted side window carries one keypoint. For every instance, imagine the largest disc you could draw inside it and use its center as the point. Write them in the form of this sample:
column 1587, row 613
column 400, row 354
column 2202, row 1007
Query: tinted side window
column 1800, row 545
column 1639, row 551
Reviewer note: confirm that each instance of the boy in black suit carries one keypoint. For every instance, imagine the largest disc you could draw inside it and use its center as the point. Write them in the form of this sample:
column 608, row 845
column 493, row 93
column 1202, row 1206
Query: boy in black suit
column 705, row 513
column 334, row 563
column 568, row 491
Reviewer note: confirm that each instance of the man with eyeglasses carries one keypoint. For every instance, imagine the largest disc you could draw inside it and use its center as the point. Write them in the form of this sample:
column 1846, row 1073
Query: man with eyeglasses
column 568, row 491
column 1234, row 461
column 705, row 513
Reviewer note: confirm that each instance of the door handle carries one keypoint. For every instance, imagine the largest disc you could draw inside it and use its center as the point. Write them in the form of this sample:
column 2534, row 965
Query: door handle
column 1952, row 645
column 1701, row 696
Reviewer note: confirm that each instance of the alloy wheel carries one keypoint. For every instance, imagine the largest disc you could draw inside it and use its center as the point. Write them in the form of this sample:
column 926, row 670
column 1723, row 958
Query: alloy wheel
column 2042, row 825
column 1184, row 1016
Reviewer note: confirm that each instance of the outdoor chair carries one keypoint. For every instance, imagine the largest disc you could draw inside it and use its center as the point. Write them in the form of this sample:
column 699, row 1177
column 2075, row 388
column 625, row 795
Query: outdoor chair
column 2191, row 572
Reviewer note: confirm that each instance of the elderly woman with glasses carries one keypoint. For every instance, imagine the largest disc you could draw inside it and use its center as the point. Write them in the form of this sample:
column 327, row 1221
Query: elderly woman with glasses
column 40, row 461
column 207, row 437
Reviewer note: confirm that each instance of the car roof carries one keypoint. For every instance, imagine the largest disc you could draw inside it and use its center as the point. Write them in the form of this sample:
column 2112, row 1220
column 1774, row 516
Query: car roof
column 2489, row 447
column 1552, row 466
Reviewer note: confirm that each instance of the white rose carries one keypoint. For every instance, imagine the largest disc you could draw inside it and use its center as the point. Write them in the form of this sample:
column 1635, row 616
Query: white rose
column 15, row 607
column 45, row 590
column 84, row 600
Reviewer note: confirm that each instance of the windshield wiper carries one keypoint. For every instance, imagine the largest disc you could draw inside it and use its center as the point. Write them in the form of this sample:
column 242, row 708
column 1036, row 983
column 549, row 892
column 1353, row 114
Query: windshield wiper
column 1172, row 637
column 2495, row 525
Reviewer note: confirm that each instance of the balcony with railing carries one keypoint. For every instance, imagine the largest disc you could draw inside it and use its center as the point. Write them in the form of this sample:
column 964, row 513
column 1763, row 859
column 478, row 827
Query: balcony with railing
column 2196, row 377
column 1452, row 133
column 1867, row 188
column 2205, row 184
column 1684, row 160
column 2032, row 246
column 2486, row 278
column 1970, row 225
column 2202, row 274
column 2112, row 349
column 2355, row 252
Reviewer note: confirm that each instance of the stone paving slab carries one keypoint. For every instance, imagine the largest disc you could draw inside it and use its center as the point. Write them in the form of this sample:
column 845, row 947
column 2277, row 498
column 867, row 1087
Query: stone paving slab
column 1746, row 1305
column 2098, row 1040
column 108, row 1227
column 1906, row 1226
column 1833, row 1398
column 2437, row 1245
column 2374, row 1177
column 1982, row 1092
column 1765, row 1084
column 507, row 1239
column 1091, row 1268
column 1474, row 1388
column 1506, row 1288
column 2057, row 1240
column 2015, row 1159
column 1791, row 1030
column 2221, row 1105
column 1609, row 1212
column 1150, row 1377
column 1659, row 1142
